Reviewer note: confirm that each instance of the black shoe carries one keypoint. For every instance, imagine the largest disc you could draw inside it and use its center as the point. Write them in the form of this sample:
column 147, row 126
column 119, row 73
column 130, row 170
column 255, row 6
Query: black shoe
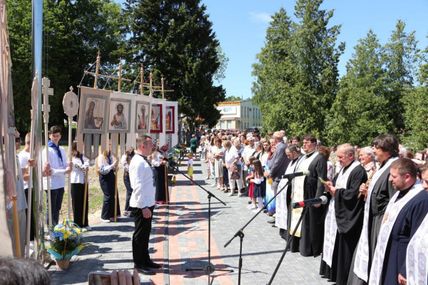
column 144, row 270
column 152, row 264
column 271, row 221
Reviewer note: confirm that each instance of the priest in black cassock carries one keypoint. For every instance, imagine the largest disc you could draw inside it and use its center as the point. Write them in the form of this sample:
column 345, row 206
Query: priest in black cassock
column 405, row 212
column 308, row 187
column 377, row 194
column 346, row 210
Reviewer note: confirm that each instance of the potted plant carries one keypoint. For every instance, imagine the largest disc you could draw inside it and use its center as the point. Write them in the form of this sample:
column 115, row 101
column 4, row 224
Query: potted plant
column 65, row 242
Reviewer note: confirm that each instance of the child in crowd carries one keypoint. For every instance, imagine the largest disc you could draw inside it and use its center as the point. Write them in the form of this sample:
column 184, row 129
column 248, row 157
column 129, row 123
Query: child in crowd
column 190, row 165
column 259, row 184
column 250, row 181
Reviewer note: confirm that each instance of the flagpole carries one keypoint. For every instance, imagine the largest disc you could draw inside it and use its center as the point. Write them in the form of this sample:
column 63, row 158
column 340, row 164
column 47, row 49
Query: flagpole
column 36, row 136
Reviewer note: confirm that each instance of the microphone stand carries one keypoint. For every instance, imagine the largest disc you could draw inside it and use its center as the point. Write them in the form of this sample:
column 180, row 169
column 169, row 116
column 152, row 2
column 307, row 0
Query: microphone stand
column 240, row 232
column 209, row 268
column 287, row 247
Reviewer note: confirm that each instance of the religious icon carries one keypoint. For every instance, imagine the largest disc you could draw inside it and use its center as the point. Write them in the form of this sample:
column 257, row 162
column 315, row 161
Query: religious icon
column 156, row 118
column 170, row 120
column 94, row 118
column 119, row 115
column 142, row 117
column 93, row 110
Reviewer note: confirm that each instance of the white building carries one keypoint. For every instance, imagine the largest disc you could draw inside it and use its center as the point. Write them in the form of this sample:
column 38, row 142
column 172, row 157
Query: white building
column 239, row 115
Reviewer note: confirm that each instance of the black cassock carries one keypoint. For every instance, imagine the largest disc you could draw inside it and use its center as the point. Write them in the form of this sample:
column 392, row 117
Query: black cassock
column 406, row 224
column 381, row 193
column 161, row 178
column 312, row 229
column 349, row 210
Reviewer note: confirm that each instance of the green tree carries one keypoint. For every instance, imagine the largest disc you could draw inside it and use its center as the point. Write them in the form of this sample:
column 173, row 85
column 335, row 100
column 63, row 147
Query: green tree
column 358, row 112
column 401, row 58
column 415, row 104
column 175, row 38
column 73, row 33
column 317, row 55
column 233, row 98
column 296, row 74
column 274, row 74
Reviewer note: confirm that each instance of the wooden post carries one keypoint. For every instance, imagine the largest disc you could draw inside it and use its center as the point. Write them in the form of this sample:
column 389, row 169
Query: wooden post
column 70, row 103
column 97, row 69
column 34, row 95
column 162, row 88
column 119, row 83
column 141, row 80
column 84, row 196
column 47, row 91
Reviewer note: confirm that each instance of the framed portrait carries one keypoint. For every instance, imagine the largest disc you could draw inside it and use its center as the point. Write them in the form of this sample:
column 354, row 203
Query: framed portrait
column 119, row 115
column 142, row 116
column 93, row 111
column 156, row 119
column 169, row 119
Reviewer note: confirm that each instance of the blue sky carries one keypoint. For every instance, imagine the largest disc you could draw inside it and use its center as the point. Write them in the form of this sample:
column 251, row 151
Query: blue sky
column 240, row 26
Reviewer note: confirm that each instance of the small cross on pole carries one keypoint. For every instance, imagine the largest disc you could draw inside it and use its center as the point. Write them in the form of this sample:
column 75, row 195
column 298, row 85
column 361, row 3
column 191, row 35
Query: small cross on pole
column 47, row 91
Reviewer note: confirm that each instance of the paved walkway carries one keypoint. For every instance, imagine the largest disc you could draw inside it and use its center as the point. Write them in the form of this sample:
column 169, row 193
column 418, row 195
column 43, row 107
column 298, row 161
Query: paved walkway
column 180, row 240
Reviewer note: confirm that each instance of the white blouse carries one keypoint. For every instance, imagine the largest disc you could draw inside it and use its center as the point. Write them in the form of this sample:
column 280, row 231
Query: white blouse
column 77, row 174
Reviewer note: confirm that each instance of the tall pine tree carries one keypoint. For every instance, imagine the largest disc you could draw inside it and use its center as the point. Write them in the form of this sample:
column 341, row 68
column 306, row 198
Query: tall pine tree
column 317, row 57
column 359, row 112
column 175, row 38
column 415, row 104
column 297, row 70
column 401, row 54
column 274, row 74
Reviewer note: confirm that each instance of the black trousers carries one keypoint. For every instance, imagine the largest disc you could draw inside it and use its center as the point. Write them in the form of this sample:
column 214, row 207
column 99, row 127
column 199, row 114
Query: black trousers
column 77, row 198
column 127, row 183
column 107, row 186
column 141, row 236
column 33, row 221
column 56, row 200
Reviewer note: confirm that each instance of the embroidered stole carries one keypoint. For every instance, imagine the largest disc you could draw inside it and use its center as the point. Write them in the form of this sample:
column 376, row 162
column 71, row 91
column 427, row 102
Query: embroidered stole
column 417, row 256
column 361, row 265
column 297, row 193
column 281, row 219
column 392, row 211
column 330, row 225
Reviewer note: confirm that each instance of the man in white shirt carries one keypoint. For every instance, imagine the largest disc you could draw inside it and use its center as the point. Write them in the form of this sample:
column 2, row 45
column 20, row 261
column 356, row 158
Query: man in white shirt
column 59, row 167
column 142, row 202
column 24, row 162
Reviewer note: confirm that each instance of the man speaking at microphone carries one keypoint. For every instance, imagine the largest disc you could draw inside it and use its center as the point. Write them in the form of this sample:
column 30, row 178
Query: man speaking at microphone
column 344, row 218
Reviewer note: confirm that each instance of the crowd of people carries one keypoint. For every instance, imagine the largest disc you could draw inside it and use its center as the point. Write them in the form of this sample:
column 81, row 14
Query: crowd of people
column 375, row 202
column 57, row 166
column 368, row 225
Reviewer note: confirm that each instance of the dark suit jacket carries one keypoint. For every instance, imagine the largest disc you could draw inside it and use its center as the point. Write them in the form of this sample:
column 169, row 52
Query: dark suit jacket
column 279, row 161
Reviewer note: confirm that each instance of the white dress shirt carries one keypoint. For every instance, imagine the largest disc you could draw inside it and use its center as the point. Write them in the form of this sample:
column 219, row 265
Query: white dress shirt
column 58, row 167
column 77, row 175
column 142, row 183
column 103, row 166
column 23, row 157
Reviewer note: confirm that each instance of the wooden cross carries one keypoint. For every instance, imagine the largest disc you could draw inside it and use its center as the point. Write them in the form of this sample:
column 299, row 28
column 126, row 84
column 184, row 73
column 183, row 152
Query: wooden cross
column 47, row 91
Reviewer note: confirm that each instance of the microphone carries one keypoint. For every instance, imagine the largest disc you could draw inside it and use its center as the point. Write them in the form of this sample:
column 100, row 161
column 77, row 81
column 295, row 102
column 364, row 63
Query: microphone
column 295, row 174
column 310, row 202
